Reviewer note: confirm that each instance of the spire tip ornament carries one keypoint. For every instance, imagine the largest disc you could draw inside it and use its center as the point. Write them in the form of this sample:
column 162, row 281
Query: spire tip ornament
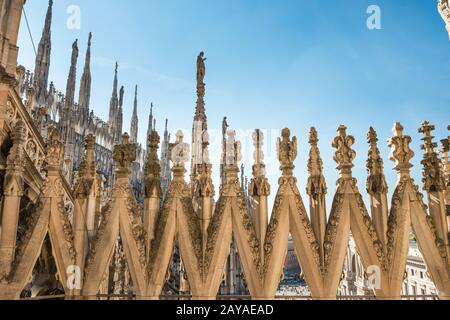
column 433, row 178
column 344, row 154
column 287, row 152
column 376, row 181
column 124, row 154
column 401, row 153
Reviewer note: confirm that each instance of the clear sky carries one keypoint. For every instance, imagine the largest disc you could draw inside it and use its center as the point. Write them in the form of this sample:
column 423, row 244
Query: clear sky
column 271, row 64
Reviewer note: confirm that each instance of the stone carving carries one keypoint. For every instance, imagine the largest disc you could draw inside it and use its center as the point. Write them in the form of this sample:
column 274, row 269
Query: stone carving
column 55, row 148
column 124, row 154
column 201, row 67
column 316, row 181
column 233, row 149
column 344, row 154
column 401, row 153
column 376, row 182
column 87, row 170
column 433, row 178
column 153, row 168
column 179, row 151
column 259, row 185
column 261, row 245
column 287, row 151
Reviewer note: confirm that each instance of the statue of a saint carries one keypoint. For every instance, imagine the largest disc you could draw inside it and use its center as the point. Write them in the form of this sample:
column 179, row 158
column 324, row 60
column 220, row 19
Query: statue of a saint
column 201, row 67
column 225, row 127
column 74, row 52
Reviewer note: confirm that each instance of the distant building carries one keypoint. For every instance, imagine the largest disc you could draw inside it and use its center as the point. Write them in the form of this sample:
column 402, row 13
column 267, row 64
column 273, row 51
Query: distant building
column 417, row 281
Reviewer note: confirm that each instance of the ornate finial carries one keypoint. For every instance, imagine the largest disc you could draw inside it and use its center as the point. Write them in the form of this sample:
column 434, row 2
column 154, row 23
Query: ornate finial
column 87, row 169
column 344, row 154
column 258, row 142
column 433, row 178
column 233, row 150
column 401, row 153
column 316, row 181
column 376, row 182
column 259, row 185
column 124, row 154
column 287, row 151
column 179, row 151
column 315, row 163
column 55, row 149
column 153, row 167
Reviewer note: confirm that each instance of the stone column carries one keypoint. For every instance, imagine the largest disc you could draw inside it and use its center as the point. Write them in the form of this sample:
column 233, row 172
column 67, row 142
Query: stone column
column 260, row 191
column 317, row 191
column 13, row 192
column 153, row 193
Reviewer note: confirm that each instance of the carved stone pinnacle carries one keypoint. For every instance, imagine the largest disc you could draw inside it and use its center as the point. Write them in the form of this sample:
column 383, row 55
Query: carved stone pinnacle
column 433, row 177
column 376, row 181
column 124, row 154
column 401, row 153
column 287, row 152
column 344, row 154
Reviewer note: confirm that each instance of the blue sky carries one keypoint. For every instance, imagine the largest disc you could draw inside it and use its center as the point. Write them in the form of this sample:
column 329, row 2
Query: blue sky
column 271, row 64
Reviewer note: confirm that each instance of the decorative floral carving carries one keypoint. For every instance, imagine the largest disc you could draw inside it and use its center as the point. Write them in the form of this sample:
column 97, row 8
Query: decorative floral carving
column 67, row 229
column 213, row 230
column 344, row 154
column 401, row 153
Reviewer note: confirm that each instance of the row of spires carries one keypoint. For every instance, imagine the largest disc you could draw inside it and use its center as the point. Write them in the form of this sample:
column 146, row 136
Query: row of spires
column 41, row 79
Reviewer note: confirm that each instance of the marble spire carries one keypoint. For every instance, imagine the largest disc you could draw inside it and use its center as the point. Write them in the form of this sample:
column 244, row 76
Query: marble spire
column 134, row 119
column 42, row 65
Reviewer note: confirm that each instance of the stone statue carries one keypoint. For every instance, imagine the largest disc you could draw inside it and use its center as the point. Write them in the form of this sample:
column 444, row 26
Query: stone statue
column 74, row 52
column 225, row 127
column 201, row 67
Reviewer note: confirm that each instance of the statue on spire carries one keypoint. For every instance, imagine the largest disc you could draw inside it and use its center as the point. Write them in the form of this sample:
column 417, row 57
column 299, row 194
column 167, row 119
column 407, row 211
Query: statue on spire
column 201, row 69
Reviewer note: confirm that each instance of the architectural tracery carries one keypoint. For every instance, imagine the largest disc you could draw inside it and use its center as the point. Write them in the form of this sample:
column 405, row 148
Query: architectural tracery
column 79, row 193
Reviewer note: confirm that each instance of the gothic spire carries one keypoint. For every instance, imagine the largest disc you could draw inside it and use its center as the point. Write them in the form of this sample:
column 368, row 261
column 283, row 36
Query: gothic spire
column 150, row 121
column 113, row 104
column 85, row 84
column 42, row 65
column 71, row 80
column 119, row 117
column 134, row 119
column 199, row 130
